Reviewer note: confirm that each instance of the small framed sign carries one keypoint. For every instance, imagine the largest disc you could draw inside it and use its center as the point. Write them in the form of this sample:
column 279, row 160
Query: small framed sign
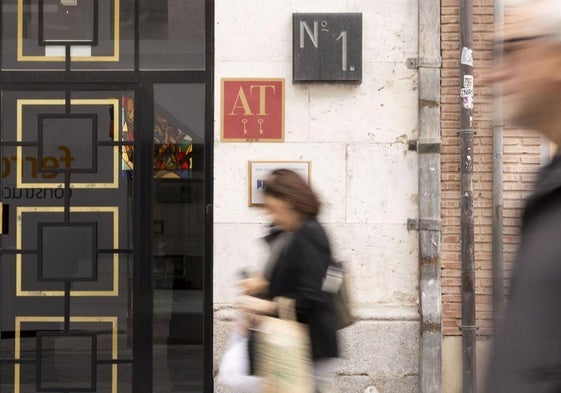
column 327, row 47
column 259, row 170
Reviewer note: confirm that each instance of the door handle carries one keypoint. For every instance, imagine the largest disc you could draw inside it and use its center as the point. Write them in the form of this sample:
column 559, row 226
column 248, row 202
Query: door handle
column 4, row 218
column 208, row 212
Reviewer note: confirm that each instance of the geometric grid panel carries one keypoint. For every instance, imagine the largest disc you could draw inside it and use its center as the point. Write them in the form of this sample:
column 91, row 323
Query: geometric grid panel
column 67, row 361
column 77, row 132
column 68, row 24
column 114, row 57
column 67, row 251
column 94, row 210
column 83, row 122
column 57, row 320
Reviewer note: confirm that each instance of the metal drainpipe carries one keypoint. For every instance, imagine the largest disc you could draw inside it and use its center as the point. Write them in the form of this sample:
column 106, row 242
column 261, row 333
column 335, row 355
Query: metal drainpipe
column 467, row 132
column 429, row 65
column 498, row 274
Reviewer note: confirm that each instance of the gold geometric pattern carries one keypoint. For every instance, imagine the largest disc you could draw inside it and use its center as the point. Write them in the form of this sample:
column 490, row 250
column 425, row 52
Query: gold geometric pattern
column 46, row 319
column 113, row 57
column 20, row 210
column 113, row 102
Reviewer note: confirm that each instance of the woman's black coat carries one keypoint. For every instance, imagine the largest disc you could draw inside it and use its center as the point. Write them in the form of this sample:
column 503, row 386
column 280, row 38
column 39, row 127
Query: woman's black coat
column 298, row 274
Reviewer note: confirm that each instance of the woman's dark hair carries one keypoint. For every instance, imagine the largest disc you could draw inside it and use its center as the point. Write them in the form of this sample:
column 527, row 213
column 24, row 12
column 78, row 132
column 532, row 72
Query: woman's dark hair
column 291, row 187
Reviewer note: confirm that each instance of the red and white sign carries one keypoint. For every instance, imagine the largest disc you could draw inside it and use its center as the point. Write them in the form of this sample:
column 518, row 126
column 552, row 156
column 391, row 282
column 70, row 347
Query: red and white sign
column 252, row 110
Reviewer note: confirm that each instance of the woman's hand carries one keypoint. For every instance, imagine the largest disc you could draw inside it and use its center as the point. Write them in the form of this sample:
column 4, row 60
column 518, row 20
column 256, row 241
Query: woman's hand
column 257, row 306
column 254, row 285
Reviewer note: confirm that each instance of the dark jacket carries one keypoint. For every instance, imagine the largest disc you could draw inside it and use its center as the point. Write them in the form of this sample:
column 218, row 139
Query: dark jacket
column 527, row 350
column 298, row 274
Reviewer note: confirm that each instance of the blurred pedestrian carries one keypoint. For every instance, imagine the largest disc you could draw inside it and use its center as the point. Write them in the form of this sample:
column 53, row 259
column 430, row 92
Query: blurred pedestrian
column 526, row 356
column 299, row 267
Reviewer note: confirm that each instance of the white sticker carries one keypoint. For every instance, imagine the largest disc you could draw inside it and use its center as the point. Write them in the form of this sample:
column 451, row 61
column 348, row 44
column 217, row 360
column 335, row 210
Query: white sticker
column 468, row 81
column 465, row 92
column 467, row 56
column 468, row 102
column 333, row 280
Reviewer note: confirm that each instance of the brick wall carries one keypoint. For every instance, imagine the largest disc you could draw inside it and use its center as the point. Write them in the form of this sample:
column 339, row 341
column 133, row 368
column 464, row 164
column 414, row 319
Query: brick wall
column 521, row 159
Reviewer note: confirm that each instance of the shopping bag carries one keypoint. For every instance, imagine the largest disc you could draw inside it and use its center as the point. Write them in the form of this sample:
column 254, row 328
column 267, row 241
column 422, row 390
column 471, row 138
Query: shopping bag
column 283, row 352
column 234, row 367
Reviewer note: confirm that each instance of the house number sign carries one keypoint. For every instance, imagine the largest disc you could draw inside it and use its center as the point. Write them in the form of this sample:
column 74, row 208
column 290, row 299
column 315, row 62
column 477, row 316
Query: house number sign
column 327, row 47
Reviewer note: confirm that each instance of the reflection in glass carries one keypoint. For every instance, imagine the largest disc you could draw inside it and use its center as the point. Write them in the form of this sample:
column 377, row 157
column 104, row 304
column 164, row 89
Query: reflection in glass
column 97, row 40
column 63, row 22
column 178, row 237
column 173, row 147
column 172, row 35
column 59, row 353
column 178, row 131
column 67, row 252
column 127, row 131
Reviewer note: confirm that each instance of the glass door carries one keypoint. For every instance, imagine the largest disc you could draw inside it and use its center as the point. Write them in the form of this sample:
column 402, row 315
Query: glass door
column 179, row 237
column 102, row 284
column 66, row 299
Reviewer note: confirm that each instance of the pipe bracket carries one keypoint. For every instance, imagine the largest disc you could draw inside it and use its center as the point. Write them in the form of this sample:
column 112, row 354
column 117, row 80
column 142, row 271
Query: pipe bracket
column 465, row 327
column 423, row 224
column 424, row 147
column 414, row 63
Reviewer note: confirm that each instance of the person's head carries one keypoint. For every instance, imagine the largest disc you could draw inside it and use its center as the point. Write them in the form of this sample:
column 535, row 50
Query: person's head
column 289, row 199
column 530, row 67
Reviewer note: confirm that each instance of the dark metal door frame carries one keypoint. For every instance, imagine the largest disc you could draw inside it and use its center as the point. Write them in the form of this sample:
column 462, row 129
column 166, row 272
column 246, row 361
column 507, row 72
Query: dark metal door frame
column 142, row 83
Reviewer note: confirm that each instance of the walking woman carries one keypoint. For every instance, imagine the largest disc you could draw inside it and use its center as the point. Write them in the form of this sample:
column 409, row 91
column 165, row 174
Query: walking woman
column 300, row 268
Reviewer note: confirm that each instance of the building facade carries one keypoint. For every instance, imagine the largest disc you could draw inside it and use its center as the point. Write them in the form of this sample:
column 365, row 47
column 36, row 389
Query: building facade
column 134, row 135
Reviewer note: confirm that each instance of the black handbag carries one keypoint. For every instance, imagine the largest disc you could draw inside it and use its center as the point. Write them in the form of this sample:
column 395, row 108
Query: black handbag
column 334, row 282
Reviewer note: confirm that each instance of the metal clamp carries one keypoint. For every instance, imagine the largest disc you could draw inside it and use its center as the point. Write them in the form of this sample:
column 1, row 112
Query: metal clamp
column 413, row 63
column 462, row 328
column 423, row 224
column 424, row 147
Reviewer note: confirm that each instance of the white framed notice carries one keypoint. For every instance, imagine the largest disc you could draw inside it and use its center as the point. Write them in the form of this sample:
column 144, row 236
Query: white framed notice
column 259, row 170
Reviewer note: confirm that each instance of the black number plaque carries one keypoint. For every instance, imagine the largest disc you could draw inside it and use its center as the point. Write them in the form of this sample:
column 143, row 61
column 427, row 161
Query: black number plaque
column 327, row 47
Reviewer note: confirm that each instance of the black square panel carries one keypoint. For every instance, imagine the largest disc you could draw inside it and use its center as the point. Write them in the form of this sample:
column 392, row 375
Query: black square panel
column 68, row 22
column 72, row 138
column 67, row 251
column 327, row 47
column 66, row 361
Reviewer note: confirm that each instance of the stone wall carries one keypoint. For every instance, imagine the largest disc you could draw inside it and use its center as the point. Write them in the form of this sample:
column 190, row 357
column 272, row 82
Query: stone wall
column 356, row 137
